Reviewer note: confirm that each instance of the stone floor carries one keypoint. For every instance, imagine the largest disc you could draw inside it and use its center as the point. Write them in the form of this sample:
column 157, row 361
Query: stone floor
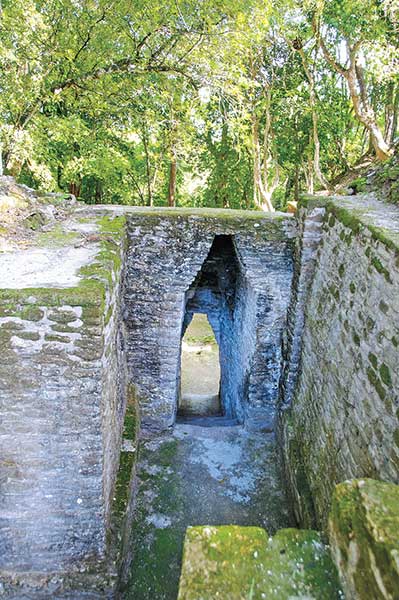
column 198, row 475
column 200, row 370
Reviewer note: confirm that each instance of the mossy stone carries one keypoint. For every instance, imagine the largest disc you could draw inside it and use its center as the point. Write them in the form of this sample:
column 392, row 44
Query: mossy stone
column 385, row 374
column 377, row 264
column 355, row 219
column 31, row 313
column 57, row 338
column 232, row 562
column 28, row 335
column 62, row 316
column 35, row 221
column 373, row 360
column 57, row 237
column 363, row 531
column 128, row 460
column 383, row 307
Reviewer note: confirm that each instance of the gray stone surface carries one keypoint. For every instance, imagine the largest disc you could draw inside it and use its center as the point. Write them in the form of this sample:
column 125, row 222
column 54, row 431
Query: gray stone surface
column 68, row 354
column 306, row 247
column 165, row 256
column 363, row 531
column 343, row 421
column 62, row 405
column 70, row 350
column 44, row 267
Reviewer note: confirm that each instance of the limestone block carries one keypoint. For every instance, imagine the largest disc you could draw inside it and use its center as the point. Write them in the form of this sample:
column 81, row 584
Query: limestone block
column 62, row 398
column 363, row 529
column 234, row 563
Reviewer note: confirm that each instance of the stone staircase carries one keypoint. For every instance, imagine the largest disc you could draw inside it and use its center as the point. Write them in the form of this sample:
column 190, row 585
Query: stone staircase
column 244, row 563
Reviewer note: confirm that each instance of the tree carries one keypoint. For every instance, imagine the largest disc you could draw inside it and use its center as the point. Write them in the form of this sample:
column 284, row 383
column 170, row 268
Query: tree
column 220, row 103
column 355, row 24
column 310, row 76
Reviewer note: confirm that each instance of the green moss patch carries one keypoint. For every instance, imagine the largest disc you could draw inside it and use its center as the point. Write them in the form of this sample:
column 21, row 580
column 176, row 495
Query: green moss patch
column 57, row 237
column 157, row 549
column 91, row 291
column 373, row 360
column 125, row 475
column 28, row 335
column 385, row 375
column 377, row 264
column 232, row 562
column 212, row 213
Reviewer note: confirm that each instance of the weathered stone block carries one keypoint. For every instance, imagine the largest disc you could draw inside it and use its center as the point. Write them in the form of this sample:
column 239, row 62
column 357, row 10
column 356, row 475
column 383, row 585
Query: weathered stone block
column 234, row 563
column 364, row 537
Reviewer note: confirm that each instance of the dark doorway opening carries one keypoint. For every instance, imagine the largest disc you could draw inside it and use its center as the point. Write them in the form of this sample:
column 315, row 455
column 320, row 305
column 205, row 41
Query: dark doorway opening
column 213, row 360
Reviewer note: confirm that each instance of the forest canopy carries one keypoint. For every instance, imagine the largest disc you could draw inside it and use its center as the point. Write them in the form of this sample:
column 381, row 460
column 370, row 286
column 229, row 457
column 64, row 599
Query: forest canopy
column 225, row 103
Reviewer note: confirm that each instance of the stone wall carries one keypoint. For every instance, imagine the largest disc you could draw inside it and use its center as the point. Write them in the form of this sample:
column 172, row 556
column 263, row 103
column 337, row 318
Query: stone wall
column 343, row 420
column 61, row 416
column 310, row 230
column 166, row 252
column 268, row 271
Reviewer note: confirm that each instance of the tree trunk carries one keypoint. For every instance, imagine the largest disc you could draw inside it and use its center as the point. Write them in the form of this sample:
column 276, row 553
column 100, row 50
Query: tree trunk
column 172, row 145
column 391, row 113
column 357, row 90
column 288, row 187
column 153, row 184
column 309, row 172
column 365, row 112
column 261, row 195
column 147, row 165
column 74, row 188
column 296, row 183
column 262, row 191
column 315, row 121
column 172, row 182
column 255, row 183
column 59, row 176
column 99, row 192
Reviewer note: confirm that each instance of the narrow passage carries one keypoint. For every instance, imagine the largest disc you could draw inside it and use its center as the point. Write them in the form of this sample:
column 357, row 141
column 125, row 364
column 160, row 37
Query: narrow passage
column 200, row 371
column 197, row 475
column 207, row 471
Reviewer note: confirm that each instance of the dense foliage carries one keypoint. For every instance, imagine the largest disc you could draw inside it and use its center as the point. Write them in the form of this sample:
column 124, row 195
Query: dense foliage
column 218, row 103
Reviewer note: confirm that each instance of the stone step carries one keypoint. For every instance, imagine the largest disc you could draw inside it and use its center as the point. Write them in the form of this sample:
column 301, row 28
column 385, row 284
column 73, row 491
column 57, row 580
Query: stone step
column 218, row 421
column 199, row 405
column 243, row 563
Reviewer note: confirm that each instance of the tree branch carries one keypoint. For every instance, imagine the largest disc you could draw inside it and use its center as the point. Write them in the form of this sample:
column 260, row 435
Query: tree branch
column 327, row 55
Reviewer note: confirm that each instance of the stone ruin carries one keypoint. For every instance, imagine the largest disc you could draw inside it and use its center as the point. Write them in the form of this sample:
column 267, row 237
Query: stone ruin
column 236, row 271
column 93, row 308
